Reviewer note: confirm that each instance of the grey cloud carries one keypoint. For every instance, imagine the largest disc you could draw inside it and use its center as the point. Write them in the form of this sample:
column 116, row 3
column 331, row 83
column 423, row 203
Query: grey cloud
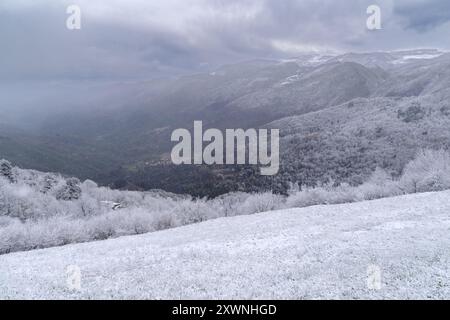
column 38, row 46
column 423, row 15
column 128, row 40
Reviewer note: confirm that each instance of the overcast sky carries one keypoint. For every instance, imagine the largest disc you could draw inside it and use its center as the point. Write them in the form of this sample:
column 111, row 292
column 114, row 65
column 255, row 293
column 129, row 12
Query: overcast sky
column 135, row 39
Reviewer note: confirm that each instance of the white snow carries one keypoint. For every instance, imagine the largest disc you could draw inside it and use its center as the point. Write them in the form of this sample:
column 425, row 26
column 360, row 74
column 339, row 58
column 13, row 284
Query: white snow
column 315, row 252
column 422, row 56
column 290, row 80
column 408, row 58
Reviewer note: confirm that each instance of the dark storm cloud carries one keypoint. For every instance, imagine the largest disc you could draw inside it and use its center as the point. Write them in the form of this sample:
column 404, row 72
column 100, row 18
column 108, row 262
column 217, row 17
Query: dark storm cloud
column 38, row 46
column 143, row 38
column 423, row 15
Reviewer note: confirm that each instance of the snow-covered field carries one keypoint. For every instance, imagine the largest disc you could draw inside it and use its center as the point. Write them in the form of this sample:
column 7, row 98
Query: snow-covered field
column 388, row 248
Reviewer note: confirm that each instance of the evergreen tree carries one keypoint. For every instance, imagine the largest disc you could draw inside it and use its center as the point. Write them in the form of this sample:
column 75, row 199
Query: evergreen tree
column 49, row 182
column 6, row 170
column 71, row 191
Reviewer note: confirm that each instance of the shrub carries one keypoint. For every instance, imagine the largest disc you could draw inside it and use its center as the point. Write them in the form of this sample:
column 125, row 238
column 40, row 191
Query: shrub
column 413, row 113
column 429, row 171
column 261, row 202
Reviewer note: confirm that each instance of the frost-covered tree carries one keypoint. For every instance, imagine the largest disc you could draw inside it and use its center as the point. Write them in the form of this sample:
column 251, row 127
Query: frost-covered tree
column 429, row 171
column 379, row 177
column 49, row 182
column 71, row 191
column 6, row 170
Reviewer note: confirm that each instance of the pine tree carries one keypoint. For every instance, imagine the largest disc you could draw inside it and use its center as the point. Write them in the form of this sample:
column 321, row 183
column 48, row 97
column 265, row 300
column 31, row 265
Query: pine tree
column 71, row 191
column 6, row 170
column 49, row 182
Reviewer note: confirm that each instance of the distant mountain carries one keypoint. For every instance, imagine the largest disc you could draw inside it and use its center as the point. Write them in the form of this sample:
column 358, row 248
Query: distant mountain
column 423, row 77
column 347, row 142
column 119, row 133
column 313, row 89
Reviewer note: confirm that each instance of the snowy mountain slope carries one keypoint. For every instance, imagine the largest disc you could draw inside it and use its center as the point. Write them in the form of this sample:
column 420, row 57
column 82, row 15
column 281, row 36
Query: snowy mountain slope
column 127, row 144
column 361, row 135
column 314, row 89
column 423, row 77
column 389, row 60
column 385, row 60
column 315, row 252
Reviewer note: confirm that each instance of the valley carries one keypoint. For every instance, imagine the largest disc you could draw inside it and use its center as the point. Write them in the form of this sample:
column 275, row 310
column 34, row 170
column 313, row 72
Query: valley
column 354, row 111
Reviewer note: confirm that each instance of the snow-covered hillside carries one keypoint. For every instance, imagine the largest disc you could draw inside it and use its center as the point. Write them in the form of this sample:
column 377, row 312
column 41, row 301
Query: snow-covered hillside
column 315, row 252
